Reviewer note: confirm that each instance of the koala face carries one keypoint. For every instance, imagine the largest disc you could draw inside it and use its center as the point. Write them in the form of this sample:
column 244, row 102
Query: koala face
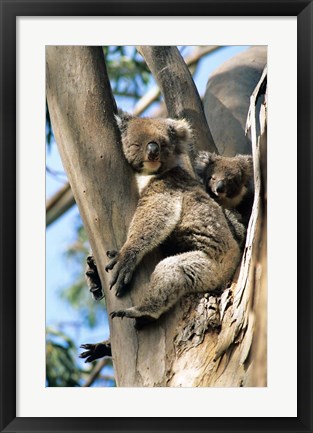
column 153, row 145
column 225, row 179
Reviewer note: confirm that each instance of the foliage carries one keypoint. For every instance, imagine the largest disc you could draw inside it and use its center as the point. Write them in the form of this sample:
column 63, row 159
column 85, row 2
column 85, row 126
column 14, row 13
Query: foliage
column 129, row 74
column 61, row 365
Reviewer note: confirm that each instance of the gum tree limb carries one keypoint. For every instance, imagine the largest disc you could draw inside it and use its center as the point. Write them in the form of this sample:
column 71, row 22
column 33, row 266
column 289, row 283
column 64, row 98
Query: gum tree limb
column 179, row 91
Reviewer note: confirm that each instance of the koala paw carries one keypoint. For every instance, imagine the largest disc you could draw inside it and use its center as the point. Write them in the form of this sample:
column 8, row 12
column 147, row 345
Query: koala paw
column 122, row 274
column 142, row 318
column 113, row 256
column 95, row 351
column 133, row 313
column 93, row 279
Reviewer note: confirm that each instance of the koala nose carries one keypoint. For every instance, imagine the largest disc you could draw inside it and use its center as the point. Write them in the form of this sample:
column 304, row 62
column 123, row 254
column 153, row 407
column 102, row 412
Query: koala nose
column 153, row 151
column 220, row 187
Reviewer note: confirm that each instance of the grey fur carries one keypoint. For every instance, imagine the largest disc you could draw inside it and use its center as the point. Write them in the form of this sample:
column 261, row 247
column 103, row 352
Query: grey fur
column 173, row 209
column 236, row 176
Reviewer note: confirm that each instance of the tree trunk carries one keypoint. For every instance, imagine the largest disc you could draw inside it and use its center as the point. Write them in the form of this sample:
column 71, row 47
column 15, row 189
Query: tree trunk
column 81, row 107
column 184, row 347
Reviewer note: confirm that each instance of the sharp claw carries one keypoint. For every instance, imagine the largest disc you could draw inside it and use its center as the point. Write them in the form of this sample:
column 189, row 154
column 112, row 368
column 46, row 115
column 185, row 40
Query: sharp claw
column 113, row 281
column 111, row 254
column 90, row 261
column 119, row 313
column 85, row 346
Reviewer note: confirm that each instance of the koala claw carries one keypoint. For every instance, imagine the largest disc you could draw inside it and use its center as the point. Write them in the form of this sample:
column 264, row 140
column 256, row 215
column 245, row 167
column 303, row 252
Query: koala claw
column 122, row 285
column 111, row 264
column 93, row 279
column 91, row 262
column 95, row 351
column 111, row 254
column 120, row 279
column 141, row 319
column 119, row 313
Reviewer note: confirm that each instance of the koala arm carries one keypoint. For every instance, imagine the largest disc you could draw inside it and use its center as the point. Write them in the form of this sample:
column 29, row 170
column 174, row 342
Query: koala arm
column 155, row 218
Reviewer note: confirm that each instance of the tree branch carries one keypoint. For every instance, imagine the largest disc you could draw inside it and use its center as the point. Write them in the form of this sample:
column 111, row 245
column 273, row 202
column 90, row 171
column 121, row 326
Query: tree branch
column 179, row 91
column 59, row 203
column 95, row 372
column 191, row 60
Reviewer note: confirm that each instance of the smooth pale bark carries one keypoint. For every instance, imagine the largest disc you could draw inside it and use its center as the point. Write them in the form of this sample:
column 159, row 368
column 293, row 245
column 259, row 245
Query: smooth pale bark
column 81, row 108
column 183, row 348
column 191, row 60
column 227, row 97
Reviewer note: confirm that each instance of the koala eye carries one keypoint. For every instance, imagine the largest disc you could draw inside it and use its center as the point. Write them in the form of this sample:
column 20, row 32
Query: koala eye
column 136, row 144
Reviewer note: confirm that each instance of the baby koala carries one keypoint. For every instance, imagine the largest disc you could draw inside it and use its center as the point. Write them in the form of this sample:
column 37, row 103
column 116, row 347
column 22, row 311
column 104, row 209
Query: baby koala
column 229, row 181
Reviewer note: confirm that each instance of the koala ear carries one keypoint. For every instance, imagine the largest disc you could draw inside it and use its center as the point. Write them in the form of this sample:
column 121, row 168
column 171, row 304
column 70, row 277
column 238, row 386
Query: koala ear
column 122, row 120
column 181, row 129
column 202, row 161
column 246, row 165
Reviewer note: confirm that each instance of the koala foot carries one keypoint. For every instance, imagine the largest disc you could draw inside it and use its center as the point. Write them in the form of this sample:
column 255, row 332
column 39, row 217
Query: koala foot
column 142, row 318
column 96, row 351
column 93, row 279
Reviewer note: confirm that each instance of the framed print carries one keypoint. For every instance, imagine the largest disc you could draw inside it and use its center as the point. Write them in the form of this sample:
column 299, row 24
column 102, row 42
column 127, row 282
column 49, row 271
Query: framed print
column 151, row 393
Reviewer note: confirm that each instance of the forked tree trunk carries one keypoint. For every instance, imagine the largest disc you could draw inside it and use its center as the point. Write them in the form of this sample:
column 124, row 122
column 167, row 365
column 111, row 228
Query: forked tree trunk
column 181, row 349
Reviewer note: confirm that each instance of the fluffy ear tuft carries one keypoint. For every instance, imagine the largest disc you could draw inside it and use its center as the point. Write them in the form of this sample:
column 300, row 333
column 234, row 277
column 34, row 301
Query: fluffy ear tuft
column 202, row 161
column 246, row 165
column 122, row 119
column 181, row 128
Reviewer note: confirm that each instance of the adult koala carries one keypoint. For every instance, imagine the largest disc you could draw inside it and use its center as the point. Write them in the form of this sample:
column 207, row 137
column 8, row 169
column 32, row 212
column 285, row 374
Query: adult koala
column 174, row 211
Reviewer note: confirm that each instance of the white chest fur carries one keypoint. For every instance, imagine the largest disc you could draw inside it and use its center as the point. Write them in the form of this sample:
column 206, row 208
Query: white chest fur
column 143, row 180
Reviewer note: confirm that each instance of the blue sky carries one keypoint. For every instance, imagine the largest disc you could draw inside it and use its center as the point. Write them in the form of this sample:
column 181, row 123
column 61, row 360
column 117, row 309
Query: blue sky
column 62, row 232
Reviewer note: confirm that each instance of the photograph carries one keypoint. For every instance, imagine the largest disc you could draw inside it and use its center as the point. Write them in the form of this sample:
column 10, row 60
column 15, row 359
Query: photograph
column 156, row 242
column 156, row 216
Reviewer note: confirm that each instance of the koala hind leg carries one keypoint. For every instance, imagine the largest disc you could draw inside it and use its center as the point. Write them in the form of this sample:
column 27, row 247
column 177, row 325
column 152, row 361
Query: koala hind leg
column 174, row 277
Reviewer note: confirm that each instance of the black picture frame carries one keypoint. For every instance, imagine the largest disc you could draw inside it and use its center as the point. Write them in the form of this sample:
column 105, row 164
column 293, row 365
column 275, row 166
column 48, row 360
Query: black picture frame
column 303, row 10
